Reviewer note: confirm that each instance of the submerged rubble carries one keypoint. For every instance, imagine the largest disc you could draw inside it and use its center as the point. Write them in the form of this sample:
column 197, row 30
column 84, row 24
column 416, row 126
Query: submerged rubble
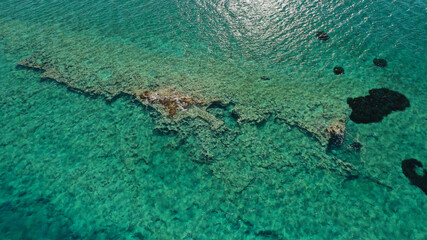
column 336, row 133
column 171, row 100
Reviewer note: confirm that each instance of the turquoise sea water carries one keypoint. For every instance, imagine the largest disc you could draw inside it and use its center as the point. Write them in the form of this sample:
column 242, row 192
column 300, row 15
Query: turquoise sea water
column 82, row 157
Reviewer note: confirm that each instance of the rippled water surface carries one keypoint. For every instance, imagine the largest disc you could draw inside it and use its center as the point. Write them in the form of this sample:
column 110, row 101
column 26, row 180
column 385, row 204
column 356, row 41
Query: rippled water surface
column 241, row 148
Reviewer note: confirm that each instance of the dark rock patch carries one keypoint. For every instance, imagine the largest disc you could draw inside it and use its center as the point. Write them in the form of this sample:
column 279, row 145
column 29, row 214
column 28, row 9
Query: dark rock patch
column 380, row 62
column 356, row 146
column 335, row 142
column 378, row 104
column 265, row 78
column 338, row 70
column 336, row 135
column 322, row 36
column 352, row 177
column 408, row 169
column 267, row 233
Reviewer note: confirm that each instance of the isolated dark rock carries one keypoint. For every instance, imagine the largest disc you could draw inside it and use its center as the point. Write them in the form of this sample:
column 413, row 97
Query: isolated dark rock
column 380, row 62
column 356, row 146
column 408, row 169
column 322, row 36
column 378, row 104
column 338, row 70
column 265, row 78
column 268, row 234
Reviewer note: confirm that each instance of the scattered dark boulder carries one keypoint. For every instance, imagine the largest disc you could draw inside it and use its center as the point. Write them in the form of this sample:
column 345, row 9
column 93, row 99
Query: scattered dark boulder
column 356, row 146
column 378, row 104
column 322, row 36
column 380, row 62
column 268, row 233
column 338, row 70
column 352, row 177
column 408, row 169
column 265, row 78
column 43, row 200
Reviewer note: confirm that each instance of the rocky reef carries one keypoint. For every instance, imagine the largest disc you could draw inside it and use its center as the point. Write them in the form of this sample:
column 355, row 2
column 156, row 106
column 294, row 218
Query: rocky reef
column 171, row 100
column 178, row 87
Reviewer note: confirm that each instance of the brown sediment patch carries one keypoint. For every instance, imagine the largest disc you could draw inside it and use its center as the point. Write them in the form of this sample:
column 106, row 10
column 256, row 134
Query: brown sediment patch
column 177, row 104
column 172, row 100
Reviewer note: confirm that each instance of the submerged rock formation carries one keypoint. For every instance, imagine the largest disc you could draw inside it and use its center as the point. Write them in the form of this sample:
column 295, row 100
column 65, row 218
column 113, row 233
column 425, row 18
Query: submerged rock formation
column 378, row 104
column 380, row 62
column 338, row 70
column 111, row 68
column 408, row 169
column 336, row 132
column 167, row 100
column 171, row 100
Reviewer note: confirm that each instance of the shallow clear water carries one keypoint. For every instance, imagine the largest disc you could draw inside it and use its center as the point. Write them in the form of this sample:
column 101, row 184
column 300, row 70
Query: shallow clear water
column 82, row 157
